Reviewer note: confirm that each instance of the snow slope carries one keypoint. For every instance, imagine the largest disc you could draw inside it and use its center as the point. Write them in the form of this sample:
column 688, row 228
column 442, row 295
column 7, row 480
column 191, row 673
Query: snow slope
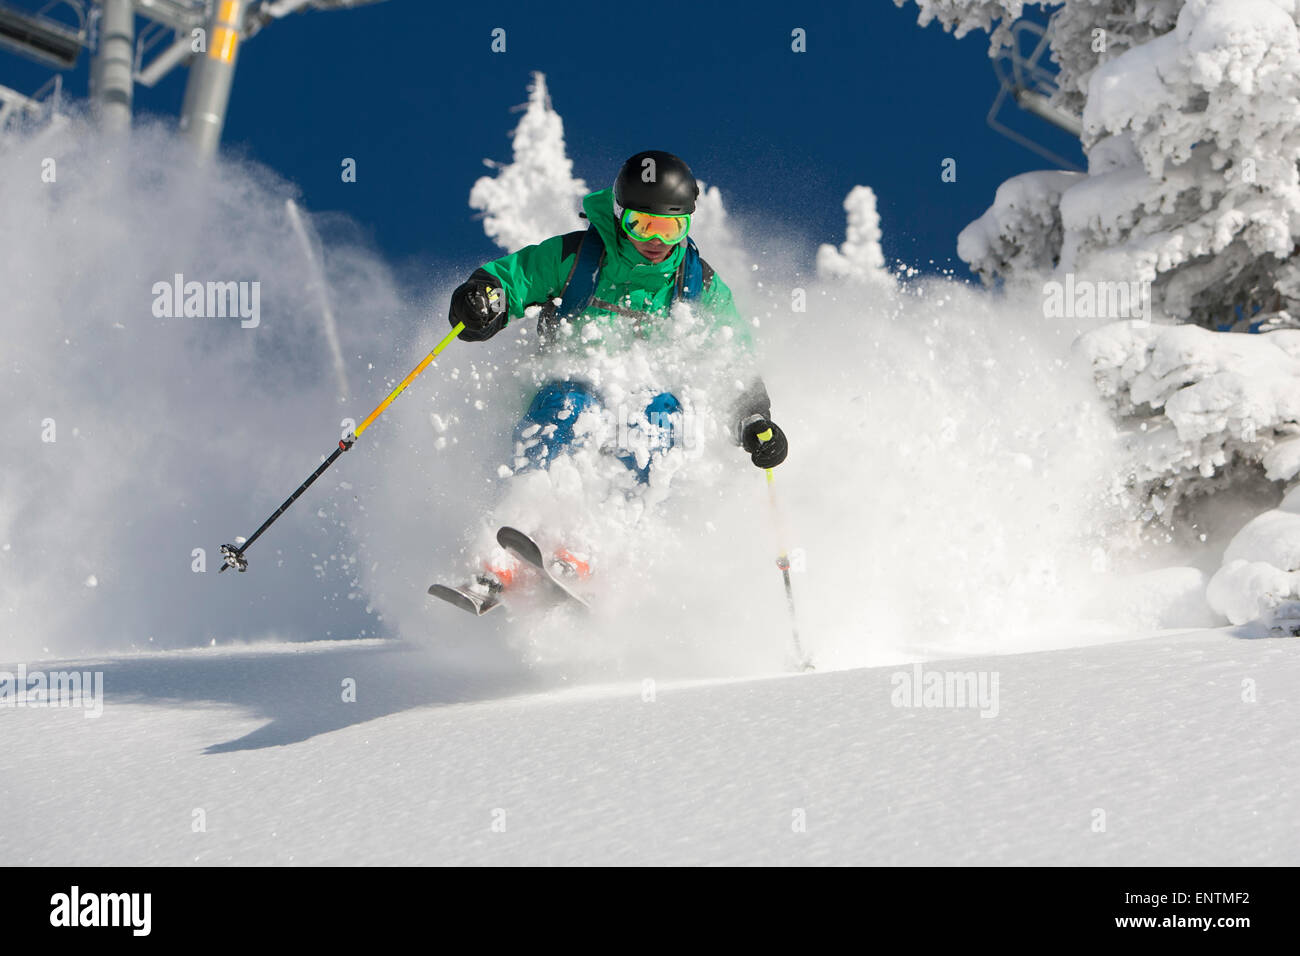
column 1159, row 734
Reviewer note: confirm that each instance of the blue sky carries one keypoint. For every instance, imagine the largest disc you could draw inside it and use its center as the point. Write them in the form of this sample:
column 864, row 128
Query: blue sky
column 411, row 89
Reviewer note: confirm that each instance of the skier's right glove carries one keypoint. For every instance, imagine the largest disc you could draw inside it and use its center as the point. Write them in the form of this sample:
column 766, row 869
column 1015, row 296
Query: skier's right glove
column 764, row 441
column 481, row 305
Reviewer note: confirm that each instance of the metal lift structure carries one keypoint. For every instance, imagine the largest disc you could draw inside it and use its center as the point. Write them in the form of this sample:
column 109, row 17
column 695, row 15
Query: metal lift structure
column 202, row 35
column 1029, row 81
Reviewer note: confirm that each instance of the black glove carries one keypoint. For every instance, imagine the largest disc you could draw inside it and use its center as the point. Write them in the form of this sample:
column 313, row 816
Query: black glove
column 481, row 305
column 766, row 452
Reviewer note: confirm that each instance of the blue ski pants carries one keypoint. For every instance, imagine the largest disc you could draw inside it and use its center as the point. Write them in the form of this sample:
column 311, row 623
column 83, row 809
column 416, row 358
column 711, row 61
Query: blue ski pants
column 547, row 429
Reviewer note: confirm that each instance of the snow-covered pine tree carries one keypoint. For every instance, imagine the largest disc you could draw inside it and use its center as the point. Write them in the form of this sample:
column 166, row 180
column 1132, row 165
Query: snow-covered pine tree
column 859, row 258
column 1191, row 114
column 1191, row 119
column 536, row 195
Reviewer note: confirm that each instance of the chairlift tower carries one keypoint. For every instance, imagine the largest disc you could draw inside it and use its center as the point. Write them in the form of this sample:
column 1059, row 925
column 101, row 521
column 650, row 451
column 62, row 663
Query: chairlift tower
column 112, row 71
column 203, row 35
column 212, row 73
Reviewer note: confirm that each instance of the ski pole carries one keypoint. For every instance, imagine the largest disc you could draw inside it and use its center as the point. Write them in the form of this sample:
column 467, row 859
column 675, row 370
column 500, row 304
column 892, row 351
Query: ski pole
column 234, row 556
column 783, row 562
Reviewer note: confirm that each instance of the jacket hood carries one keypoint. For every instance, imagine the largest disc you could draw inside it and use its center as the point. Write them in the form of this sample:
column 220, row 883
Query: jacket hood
column 599, row 207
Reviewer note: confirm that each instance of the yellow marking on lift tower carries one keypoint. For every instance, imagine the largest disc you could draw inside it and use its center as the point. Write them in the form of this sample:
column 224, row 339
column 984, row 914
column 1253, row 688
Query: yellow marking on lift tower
column 225, row 37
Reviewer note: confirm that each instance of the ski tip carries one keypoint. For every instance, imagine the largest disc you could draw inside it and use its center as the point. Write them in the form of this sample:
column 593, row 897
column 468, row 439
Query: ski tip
column 521, row 543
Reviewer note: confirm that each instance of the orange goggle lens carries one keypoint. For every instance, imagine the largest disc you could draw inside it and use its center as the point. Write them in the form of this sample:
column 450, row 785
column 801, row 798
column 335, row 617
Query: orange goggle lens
column 643, row 227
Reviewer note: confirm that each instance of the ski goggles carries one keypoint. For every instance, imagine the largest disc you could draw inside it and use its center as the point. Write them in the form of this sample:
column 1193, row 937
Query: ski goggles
column 643, row 226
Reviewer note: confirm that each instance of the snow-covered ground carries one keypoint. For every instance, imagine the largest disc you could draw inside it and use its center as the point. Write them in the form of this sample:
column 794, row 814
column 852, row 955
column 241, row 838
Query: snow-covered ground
column 1176, row 749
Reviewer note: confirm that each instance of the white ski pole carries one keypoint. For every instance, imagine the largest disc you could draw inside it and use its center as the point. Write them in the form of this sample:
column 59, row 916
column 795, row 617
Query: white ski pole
column 801, row 660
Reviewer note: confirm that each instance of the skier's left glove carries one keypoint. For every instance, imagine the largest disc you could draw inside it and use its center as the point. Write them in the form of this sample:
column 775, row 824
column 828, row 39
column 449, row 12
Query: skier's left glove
column 764, row 441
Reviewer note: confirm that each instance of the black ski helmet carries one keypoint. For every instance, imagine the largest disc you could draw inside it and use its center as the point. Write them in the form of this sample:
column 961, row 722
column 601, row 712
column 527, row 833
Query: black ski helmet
column 656, row 182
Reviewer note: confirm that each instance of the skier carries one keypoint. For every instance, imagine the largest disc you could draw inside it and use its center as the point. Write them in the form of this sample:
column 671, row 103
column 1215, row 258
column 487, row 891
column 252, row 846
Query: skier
column 622, row 273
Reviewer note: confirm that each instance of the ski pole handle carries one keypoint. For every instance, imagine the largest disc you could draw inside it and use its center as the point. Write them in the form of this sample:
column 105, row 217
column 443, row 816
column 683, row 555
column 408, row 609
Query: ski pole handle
column 763, row 438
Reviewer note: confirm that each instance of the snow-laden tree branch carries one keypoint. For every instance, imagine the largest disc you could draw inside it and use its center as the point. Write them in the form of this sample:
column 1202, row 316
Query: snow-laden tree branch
column 1260, row 577
column 1201, row 407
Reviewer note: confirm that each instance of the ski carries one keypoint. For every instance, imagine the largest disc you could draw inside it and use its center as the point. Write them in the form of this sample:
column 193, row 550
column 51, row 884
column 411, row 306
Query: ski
column 465, row 598
column 525, row 548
